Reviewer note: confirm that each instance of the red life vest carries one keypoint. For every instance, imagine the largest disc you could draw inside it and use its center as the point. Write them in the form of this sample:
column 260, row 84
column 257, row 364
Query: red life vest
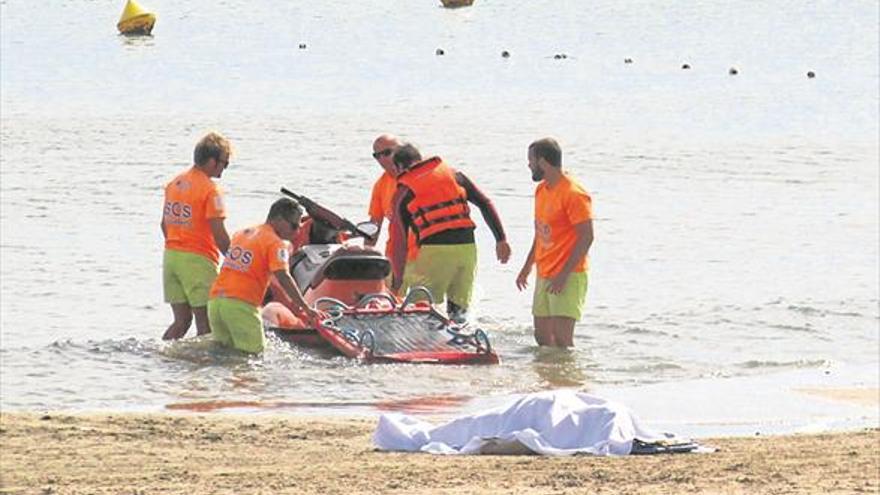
column 439, row 203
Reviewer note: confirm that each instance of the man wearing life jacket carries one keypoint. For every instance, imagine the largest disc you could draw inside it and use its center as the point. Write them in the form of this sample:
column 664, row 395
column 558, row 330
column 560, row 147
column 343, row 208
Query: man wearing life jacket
column 192, row 225
column 383, row 192
column 432, row 200
column 255, row 254
column 563, row 236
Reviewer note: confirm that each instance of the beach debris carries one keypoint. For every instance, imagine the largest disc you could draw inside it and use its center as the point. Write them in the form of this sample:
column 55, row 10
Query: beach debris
column 454, row 4
column 627, row 60
column 560, row 56
column 505, row 54
column 685, row 66
column 811, row 74
column 733, row 71
column 136, row 20
column 439, row 52
column 303, row 46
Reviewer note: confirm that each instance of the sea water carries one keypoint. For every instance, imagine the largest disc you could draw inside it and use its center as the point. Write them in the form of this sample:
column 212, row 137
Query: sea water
column 736, row 216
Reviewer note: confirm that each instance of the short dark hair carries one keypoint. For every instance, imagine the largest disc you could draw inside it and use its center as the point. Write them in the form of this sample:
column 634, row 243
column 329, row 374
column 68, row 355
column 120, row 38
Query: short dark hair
column 286, row 209
column 548, row 149
column 405, row 156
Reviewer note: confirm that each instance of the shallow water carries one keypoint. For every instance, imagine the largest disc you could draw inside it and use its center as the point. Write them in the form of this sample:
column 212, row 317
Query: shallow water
column 737, row 216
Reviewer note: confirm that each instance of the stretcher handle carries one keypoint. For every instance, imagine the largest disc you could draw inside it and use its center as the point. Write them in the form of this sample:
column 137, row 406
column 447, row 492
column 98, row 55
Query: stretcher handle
column 412, row 293
column 377, row 295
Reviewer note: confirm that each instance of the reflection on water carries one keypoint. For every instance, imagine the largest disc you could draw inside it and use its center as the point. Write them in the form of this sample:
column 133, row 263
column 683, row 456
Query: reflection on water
column 559, row 367
column 137, row 41
column 429, row 404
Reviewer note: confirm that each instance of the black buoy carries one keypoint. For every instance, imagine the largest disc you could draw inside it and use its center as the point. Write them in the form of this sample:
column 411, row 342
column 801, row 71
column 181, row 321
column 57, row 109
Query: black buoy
column 811, row 74
column 685, row 67
column 732, row 71
column 505, row 54
column 302, row 46
column 627, row 60
column 439, row 52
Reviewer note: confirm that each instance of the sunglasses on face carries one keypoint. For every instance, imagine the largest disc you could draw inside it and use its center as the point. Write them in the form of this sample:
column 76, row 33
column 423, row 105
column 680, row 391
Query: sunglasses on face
column 381, row 153
column 293, row 225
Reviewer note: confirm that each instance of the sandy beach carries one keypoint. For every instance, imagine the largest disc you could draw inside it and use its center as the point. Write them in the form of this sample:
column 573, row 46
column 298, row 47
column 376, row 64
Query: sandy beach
column 119, row 453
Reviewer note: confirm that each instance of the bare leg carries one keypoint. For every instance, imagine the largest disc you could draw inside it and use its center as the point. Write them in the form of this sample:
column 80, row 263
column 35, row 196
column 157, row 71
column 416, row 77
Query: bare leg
column 182, row 319
column 563, row 331
column 544, row 334
column 202, row 325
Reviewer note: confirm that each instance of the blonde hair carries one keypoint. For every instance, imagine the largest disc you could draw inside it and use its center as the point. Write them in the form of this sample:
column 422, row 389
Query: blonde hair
column 212, row 145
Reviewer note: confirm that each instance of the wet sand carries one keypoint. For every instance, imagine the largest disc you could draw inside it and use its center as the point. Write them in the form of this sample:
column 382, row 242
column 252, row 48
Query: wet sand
column 120, row 453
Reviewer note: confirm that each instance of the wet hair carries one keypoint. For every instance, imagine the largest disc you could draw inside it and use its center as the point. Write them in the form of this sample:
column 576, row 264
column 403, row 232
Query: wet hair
column 285, row 209
column 406, row 156
column 548, row 149
column 212, row 145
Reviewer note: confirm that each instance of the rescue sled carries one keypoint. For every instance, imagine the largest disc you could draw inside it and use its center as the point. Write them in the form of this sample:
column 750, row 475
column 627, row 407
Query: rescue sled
column 367, row 321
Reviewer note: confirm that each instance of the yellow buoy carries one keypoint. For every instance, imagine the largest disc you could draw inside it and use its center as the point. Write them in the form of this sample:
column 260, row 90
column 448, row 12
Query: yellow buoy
column 135, row 19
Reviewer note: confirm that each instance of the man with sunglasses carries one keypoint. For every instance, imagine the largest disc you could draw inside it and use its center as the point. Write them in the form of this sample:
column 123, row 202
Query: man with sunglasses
column 192, row 225
column 385, row 185
column 383, row 191
column 255, row 254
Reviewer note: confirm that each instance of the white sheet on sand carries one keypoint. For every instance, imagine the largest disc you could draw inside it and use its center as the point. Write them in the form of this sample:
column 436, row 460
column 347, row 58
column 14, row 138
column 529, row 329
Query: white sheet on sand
column 559, row 422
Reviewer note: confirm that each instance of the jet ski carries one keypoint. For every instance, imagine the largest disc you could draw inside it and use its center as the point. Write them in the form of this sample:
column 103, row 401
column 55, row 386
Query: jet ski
column 367, row 321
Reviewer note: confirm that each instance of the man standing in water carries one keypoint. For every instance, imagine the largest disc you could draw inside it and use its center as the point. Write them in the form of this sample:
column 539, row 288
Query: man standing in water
column 431, row 200
column 192, row 225
column 563, row 235
column 255, row 254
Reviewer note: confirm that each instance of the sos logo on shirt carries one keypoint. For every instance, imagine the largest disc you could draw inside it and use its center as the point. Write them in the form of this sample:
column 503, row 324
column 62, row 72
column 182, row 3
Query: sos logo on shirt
column 238, row 259
column 544, row 233
column 177, row 211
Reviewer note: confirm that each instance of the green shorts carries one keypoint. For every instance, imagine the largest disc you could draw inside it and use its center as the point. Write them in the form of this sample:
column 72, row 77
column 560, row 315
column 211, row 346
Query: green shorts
column 187, row 278
column 568, row 303
column 237, row 324
column 447, row 270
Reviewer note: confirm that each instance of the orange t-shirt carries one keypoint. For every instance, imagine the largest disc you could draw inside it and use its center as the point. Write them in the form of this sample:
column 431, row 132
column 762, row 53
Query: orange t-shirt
column 254, row 254
column 380, row 206
column 191, row 199
column 557, row 211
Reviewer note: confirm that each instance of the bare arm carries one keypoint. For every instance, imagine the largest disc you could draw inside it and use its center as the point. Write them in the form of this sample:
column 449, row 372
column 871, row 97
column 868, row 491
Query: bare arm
column 162, row 224
column 522, row 280
column 397, row 232
column 221, row 237
column 290, row 287
column 584, row 233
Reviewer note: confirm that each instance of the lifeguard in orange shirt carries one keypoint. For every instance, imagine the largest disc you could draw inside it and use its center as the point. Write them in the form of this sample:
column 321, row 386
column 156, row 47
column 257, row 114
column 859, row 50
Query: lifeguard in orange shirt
column 563, row 236
column 192, row 225
column 255, row 254
column 383, row 191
